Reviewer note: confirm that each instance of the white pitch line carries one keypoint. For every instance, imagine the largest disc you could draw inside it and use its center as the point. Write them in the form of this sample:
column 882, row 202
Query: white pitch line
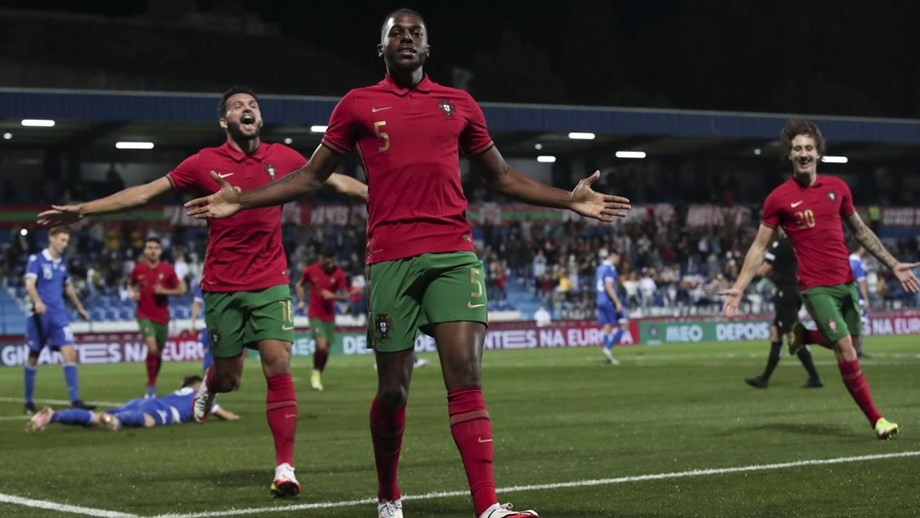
column 559, row 485
column 63, row 508
column 58, row 401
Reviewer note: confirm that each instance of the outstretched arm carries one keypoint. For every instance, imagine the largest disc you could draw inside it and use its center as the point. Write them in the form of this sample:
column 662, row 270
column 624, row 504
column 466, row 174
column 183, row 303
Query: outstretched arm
column 752, row 261
column 511, row 182
column 121, row 201
column 868, row 239
column 347, row 186
column 229, row 199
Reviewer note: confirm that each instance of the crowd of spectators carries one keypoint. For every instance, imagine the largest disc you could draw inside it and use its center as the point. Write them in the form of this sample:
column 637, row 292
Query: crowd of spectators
column 667, row 268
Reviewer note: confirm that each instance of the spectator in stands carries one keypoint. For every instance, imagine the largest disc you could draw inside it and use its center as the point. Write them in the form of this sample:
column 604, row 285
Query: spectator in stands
column 47, row 280
column 151, row 284
column 542, row 317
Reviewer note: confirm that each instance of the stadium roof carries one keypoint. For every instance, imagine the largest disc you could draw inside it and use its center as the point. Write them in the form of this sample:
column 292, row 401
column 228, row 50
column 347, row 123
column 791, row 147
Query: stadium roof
column 94, row 120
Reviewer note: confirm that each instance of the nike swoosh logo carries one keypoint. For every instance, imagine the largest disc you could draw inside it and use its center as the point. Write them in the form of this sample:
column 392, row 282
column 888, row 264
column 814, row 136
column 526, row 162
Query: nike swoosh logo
column 481, row 440
column 796, row 204
column 224, row 175
column 375, row 110
column 287, row 328
column 474, row 306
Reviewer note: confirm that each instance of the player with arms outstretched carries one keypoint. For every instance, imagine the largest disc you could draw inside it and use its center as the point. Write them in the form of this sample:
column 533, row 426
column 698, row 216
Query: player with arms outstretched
column 812, row 209
column 245, row 279
column 423, row 271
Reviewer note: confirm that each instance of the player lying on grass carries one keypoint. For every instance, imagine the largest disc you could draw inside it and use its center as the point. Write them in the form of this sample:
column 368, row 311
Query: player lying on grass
column 174, row 408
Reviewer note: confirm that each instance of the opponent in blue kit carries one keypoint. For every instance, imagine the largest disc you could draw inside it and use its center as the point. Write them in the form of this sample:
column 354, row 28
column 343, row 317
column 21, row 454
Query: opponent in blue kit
column 610, row 312
column 174, row 408
column 46, row 281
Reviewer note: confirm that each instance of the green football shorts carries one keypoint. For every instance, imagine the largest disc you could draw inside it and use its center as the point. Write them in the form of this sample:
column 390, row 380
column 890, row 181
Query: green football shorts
column 835, row 310
column 322, row 329
column 159, row 332
column 406, row 295
column 238, row 319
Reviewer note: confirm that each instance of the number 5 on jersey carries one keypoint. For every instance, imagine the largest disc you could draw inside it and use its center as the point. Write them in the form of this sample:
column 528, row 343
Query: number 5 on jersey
column 382, row 135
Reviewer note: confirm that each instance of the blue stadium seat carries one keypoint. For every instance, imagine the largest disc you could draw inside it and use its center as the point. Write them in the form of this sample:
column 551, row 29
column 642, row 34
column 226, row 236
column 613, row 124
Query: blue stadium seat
column 110, row 315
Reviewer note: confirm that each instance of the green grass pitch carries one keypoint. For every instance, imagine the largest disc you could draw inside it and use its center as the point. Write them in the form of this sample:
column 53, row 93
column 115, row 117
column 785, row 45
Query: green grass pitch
column 674, row 431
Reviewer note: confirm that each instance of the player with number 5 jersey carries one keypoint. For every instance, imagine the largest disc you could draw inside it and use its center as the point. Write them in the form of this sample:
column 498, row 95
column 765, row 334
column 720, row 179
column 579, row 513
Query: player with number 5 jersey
column 424, row 275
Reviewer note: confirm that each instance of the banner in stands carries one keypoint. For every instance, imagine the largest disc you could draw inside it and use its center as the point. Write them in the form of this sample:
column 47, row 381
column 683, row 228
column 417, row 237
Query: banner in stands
column 95, row 348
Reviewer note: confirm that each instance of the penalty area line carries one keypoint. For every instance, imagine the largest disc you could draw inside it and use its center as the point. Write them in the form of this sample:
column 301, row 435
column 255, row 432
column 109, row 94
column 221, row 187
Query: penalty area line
column 559, row 485
column 62, row 508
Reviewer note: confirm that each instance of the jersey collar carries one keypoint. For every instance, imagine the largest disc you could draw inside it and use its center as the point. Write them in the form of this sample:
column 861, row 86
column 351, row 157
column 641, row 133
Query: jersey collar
column 239, row 156
column 47, row 255
column 424, row 86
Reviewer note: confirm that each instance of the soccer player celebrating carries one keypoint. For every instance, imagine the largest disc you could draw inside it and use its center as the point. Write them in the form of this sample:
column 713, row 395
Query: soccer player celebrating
column 46, row 280
column 423, row 273
column 174, row 408
column 245, row 281
column 326, row 283
column 610, row 313
column 811, row 209
column 151, row 282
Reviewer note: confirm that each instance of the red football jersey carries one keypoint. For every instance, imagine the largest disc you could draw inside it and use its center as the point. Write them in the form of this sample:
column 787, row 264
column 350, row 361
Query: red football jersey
column 244, row 251
column 813, row 218
column 144, row 277
column 315, row 280
column 410, row 141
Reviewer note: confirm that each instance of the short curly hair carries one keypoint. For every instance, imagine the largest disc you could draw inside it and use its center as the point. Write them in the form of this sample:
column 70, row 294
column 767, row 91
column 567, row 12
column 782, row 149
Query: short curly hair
column 796, row 127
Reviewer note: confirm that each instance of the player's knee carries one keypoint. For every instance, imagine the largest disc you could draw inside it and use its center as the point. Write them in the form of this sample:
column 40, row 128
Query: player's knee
column 393, row 398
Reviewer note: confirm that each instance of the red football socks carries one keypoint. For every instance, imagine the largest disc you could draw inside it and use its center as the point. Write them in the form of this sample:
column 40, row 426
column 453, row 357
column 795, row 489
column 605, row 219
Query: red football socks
column 281, row 412
column 320, row 356
column 472, row 431
column 153, row 363
column 856, row 383
column 386, row 433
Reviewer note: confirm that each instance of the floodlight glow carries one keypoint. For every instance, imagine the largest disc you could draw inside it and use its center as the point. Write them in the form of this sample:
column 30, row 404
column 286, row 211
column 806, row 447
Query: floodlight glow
column 834, row 159
column 23, row 232
column 134, row 145
column 538, row 146
column 630, row 154
column 7, row 136
column 546, row 159
column 757, row 151
column 318, row 129
column 580, row 135
column 288, row 140
column 38, row 123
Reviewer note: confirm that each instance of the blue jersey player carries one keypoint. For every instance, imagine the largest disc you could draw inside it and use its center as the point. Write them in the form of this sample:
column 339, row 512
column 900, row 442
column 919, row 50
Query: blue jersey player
column 174, row 408
column 610, row 313
column 197, row 309
column 46, row 281
column 859, row 272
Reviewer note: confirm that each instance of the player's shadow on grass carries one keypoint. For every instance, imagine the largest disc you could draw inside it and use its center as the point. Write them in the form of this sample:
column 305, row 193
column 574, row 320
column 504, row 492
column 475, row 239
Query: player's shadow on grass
column 804, row 429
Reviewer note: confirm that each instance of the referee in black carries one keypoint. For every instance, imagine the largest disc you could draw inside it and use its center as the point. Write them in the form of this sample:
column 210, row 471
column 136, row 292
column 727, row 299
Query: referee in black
column 781, row 267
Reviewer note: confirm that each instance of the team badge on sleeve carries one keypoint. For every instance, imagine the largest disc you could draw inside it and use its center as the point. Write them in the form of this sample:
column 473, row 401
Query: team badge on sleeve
column 384, row 325
column 447, row 108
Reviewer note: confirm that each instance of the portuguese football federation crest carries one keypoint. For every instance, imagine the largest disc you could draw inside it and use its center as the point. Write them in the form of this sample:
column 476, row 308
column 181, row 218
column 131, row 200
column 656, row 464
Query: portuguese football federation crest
column 270, row 170
column 447, row 108
column 832, row 196
column 383, row 325
column 832, row 325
